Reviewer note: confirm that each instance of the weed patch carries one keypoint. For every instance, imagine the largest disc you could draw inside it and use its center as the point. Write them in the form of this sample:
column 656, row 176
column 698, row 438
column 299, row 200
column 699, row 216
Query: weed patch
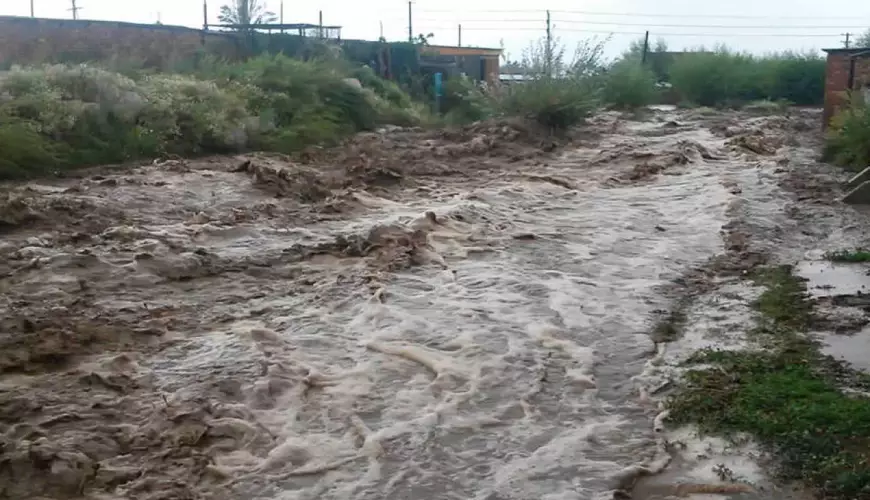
column 855, row 256
column 787, row 395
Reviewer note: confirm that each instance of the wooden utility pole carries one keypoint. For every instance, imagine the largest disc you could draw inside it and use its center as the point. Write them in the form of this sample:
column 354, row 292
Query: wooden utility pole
column 460, row 36
column 75, row 9
column 320, row 24
column 410, row 22
column 846, row 43
column 645, row 48
column 205, row 15
column 549, row 50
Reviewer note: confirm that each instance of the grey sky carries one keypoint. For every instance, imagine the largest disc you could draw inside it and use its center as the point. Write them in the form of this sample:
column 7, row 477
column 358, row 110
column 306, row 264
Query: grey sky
column 802, row 24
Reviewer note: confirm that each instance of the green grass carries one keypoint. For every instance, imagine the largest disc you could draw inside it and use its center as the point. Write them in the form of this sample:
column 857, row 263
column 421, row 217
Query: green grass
column 787, row 395
column 857, row 255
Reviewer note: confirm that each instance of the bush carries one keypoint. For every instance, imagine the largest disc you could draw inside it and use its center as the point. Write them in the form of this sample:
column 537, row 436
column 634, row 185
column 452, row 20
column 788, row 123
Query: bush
column 555, row 103
column 724, row 77
column 464, row 101
column 559, row 93
column 848, row 139
column 629, row 85
column 24, row 151
column 82, row 115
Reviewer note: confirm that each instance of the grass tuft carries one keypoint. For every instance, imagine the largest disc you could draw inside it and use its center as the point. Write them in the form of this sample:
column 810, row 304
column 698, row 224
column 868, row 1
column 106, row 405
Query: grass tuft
column 788, row 396
column 854, row 256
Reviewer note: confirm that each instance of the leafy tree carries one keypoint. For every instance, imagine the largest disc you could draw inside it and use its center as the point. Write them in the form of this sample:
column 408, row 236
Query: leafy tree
column 863, row 40
column 423, row 39
column 246, row 12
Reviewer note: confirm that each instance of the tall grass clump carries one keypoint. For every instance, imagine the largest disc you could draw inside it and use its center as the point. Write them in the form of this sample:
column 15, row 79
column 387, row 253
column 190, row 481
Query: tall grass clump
column 60, row 116
column 848, row 137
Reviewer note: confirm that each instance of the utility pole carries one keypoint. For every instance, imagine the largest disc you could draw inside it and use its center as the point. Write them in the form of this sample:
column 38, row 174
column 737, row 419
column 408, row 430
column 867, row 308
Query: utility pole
column 846, row 43
column 320, row 20
column 549, row 50
column 645, row 48
column 205, row 15
column 281, row 14
column 31, row 9
column 381, row 23
column 410, row 23
column 75, row 10
column 460, row 36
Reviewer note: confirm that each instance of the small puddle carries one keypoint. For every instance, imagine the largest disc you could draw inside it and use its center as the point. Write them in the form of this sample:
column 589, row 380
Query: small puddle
column 827, row 279
column 853, row 349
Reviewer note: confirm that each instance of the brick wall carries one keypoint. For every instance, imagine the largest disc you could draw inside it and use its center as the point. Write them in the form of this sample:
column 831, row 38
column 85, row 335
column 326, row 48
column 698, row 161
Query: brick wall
column 837, row 79
column 25, row 40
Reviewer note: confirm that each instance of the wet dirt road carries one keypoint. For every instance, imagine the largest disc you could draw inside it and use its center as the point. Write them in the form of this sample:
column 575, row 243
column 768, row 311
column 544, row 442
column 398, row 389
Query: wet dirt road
column 417, row 315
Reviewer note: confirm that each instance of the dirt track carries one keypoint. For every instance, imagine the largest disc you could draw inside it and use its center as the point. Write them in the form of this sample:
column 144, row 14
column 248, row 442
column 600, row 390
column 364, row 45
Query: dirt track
column 465, row 313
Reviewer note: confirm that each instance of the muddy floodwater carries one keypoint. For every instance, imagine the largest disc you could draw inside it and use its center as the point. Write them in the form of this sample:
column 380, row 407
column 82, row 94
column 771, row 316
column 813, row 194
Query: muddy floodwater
column 415, row 315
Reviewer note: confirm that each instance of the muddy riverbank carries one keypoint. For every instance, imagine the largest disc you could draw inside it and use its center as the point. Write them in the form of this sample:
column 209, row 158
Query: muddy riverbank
column 464, row 315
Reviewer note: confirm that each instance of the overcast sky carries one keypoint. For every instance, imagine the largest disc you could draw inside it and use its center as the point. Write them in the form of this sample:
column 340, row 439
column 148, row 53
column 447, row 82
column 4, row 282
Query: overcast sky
column 744, row 24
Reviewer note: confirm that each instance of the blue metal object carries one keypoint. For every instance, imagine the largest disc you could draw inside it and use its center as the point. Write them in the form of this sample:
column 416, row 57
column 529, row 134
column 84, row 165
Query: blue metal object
column 438, row 91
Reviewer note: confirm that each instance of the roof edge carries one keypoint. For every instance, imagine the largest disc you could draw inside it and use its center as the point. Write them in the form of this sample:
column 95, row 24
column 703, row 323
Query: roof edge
column 850, row 49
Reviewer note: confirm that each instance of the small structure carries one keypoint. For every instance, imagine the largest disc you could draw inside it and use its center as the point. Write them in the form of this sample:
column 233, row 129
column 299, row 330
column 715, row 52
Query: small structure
column 847, row 69
column 479, row 64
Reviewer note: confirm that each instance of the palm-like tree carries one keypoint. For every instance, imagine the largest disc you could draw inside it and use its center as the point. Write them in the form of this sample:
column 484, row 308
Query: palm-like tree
column 246, row 12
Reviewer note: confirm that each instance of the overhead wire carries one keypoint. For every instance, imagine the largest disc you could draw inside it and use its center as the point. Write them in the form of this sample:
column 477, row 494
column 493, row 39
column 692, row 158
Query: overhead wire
column 631, row 14
column 661, row 34
column 653, row 25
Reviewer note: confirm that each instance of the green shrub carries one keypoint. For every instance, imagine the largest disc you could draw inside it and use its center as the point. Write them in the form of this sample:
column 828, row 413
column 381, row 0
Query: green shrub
column 555, row 103
column 712, row 79
column 848, row 138
column 24, row 150
column 464, row 101
column 629, row 85
column 724, row 77
column 83, row 115
column 794, row 77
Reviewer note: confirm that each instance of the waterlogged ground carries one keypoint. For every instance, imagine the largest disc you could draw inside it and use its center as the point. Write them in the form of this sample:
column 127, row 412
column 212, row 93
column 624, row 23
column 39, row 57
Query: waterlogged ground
column 465, row 315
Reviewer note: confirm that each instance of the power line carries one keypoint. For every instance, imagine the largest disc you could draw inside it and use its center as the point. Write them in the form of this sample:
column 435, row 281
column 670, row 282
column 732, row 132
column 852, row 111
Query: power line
column 574, row 30
column 723, row 26
column 634, row 14
column 653, row 25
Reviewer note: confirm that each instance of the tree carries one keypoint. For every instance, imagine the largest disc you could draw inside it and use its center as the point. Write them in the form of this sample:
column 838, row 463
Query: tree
column 423, row 39
column 635, row 48
column 863, row 40
column 246, row 12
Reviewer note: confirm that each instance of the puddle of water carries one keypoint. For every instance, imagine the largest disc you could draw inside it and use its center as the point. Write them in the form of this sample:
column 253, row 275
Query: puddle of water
column 828, row 279
column 854, row 349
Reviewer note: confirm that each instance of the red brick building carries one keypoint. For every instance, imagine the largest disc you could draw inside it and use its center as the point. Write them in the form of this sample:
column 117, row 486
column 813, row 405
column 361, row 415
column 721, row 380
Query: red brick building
column 846, row 69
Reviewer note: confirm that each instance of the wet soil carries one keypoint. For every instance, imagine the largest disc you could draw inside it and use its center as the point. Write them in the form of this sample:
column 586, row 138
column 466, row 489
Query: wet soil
column 416, row 314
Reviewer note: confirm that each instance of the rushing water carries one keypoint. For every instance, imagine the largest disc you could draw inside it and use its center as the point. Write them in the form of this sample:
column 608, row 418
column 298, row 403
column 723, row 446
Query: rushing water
column 508, row 364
